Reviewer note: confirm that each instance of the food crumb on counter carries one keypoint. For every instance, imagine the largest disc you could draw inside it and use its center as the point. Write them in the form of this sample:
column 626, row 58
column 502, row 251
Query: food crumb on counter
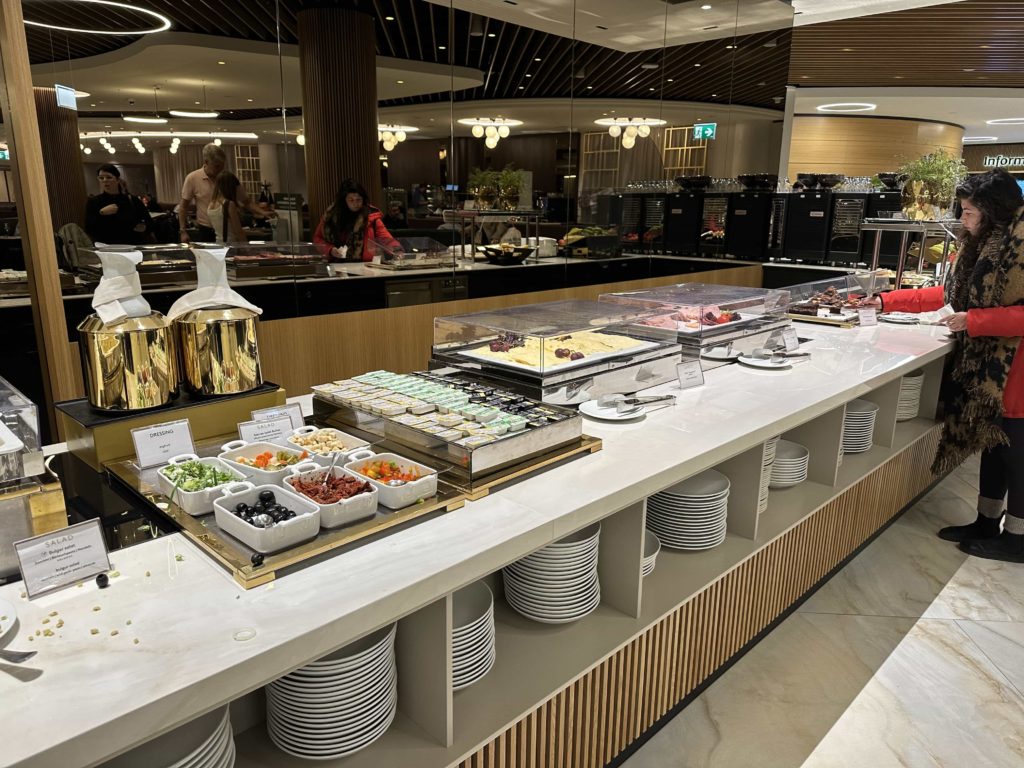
column 128, row 623
column 115, row 574
column 148, row 574
column 94, row 631
column 47, row 633
column 135, row 641
column 31, row 638
column 80, row 585
column 60, row 623
column 180, row 558
column 96, row 608
column 114, row 632
column 39, row 632
column 46, row 621
column 53, row 613
column 25, row 594
column 3, row 618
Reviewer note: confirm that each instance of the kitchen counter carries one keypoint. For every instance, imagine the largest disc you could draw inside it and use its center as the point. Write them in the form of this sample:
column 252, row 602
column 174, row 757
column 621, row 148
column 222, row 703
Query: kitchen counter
column 189, row 639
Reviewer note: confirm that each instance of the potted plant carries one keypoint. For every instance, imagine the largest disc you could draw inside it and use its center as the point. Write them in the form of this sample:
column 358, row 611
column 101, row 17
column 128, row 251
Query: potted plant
column 484, row 185
column 930, row 185
column 510, row 182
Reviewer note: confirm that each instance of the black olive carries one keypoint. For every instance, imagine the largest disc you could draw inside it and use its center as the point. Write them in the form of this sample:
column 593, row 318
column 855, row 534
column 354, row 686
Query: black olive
column 240, row 507
column 266, row 496
column 291, row 514
column 256, row 559
column 102, row 581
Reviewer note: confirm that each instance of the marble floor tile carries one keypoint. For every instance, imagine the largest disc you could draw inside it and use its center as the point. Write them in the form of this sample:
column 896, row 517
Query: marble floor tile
column 1003, row 643
column 778, row 701
column 936, row 702
column 953, row 502
column 850, row 691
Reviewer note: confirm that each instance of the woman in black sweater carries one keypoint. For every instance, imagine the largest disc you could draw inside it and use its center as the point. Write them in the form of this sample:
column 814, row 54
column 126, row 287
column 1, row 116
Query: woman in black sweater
column 113, row 216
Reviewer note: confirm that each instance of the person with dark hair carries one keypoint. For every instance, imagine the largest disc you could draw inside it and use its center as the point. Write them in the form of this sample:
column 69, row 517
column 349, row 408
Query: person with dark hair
column 984, row 394
column 113, row 216
column 351, row 227
column 223, row 211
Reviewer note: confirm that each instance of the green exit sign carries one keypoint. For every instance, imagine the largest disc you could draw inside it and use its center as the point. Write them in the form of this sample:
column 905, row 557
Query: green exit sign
column 704, row 131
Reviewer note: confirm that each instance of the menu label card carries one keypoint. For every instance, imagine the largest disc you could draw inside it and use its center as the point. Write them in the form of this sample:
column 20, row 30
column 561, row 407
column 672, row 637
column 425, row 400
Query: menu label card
column 690, row 374
column 790, row 339
column 824, row 312
column 868, row 316
column 62, row 558
column 291, row 410
column 157, row 444
column 269, row 431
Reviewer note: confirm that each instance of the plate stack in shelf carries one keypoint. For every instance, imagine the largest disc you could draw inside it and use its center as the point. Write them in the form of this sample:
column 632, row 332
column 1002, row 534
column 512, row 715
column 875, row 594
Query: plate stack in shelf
column 859, row 426
column 790, row 467
column 205, row 742
column 770, row 448
column 909, row 403
column 473, row 649
column 339, row 704
column 652, row 546
column 559, row 583
column 692, row 514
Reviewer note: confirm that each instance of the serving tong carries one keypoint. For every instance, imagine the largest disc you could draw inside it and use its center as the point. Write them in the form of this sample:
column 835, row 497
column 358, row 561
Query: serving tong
column 763, row 353
column 624, row 404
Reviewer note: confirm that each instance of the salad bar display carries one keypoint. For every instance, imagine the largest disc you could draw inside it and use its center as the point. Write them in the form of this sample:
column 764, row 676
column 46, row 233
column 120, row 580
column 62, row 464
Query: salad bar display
column 564, row 352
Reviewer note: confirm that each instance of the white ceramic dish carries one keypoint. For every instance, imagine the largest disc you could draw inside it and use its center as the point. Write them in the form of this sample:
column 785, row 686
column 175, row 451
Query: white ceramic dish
column 351, row 443
column 593, row 410
column 236, row 449
column 304, row 526
column 471, row 674
column 337, row 740
column 335, row 706
column 196, row 503
column 351, row 714
column 397, row 496
column 555, row 617
column 900, row 318
column 362, row 506
column 705, row 485
column 778, row 364
column 329, row 753
column 466, row 646
column 470, row 605
column 352, row 655
column 8, row 619
column 331, row 685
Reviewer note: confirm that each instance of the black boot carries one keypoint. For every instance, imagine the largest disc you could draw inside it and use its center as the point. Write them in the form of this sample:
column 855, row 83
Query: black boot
column 1008, row 547
column 981, row 529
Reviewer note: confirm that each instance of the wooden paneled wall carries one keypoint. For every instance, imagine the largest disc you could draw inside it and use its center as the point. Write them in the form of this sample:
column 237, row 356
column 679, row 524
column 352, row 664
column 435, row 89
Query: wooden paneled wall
column 593, row 719
column 304, row 351
column 864, row 146
column 337, row 61
column 62, row 159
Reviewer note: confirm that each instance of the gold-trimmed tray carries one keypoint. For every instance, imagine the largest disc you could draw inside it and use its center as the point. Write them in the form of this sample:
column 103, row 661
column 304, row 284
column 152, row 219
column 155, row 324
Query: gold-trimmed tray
column 837, row 323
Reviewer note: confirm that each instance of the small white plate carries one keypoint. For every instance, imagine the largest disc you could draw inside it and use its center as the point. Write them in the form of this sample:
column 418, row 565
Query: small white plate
column 771, row 365
column 900, row 318
column 594, row 411
column 8, row 618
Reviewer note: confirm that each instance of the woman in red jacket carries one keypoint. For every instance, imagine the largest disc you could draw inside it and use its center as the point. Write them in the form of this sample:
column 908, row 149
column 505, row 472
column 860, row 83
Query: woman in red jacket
column 351, row 226
column 984, row 395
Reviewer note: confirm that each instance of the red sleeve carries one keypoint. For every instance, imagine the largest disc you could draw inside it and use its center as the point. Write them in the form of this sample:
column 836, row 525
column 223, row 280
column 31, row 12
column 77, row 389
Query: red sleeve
column 996, row 321
column 914, row 300
column 318, row 239
column 381, row 234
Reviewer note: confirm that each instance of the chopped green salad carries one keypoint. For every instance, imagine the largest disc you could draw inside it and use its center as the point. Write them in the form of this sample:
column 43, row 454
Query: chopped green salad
column 196, row 476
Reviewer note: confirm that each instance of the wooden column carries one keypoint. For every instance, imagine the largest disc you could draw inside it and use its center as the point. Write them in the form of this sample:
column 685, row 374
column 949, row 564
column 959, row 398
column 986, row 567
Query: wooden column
column 18, row 104
column 337, row 60
column 62, row 159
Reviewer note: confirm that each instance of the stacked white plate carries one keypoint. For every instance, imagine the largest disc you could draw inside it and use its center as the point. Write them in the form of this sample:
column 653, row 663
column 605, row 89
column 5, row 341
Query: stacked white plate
column 859, row 426
column 770, row 448
column 652, row 546
column 910, row 396
column 790, row 466
column 339, row 704
column 692, row 514
column 559, row 583
column 206, row 742
column 473, row 650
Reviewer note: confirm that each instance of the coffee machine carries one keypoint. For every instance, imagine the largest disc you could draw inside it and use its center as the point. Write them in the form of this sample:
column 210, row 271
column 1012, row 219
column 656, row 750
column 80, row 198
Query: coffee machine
column 750, row 217
column 808, row 220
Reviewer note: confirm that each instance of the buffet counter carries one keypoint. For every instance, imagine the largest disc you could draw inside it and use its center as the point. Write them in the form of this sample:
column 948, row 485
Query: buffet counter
column 173, row 636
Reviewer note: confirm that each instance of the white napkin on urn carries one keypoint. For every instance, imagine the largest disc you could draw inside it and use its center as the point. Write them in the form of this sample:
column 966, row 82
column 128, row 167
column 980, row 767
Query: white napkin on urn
column 119, row 294
column 213, row 289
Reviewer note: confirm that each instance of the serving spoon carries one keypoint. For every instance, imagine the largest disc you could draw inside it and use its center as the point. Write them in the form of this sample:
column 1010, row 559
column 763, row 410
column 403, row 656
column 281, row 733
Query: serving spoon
column 16, row 657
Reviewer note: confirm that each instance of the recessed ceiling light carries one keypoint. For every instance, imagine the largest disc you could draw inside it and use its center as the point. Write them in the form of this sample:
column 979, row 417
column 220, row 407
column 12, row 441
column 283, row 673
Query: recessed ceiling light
column 590, row 87
column 92, row 105
column 670, row 80
column 135, row 119
column 529, row 75
column 696, row 65
column 491, row 34
column 389, row 18
column 849, row 106
column 705, row 7
column 537, row 59
column 980, row 138
column 1007, row 121
column 442, row 48
column 848, row 50
column 82, row 95
column 714, row 95
column 222, row 62
column 522, row 87
column 968, row 69
column 249, row 100
column 195, row 102
column 729, row 47
column 650, row 89
column 163, row 23
column 897, row 77
column 400, row 82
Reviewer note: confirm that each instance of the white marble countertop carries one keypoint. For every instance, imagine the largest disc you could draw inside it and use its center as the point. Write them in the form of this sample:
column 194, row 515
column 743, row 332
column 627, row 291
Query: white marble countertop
column 189, row 639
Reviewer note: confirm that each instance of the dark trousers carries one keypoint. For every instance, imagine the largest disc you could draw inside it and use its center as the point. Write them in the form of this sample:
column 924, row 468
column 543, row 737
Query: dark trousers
column 205, row 234
column 1002, row 469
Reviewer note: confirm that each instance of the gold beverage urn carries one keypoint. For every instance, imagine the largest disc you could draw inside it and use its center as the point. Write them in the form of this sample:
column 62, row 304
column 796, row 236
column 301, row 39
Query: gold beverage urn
column 128, row 356
column 219, row 351
column 215, row 330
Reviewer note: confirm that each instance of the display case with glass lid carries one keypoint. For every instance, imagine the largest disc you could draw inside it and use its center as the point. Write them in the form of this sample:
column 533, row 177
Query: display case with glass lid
column 711, row 321
column 20, row 452
column 412, row 253
column 161, row 264
column 261, row 259
column 560, row 352
column 835, row 299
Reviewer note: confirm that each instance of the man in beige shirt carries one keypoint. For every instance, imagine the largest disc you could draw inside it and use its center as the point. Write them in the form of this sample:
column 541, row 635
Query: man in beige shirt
column 198, row 188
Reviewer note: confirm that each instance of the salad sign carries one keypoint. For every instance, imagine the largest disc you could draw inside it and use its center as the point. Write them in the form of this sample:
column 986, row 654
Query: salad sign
column 266, row 431
column 158, row 443
column 62, row 558
column 292, row 410
column 704, row 131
